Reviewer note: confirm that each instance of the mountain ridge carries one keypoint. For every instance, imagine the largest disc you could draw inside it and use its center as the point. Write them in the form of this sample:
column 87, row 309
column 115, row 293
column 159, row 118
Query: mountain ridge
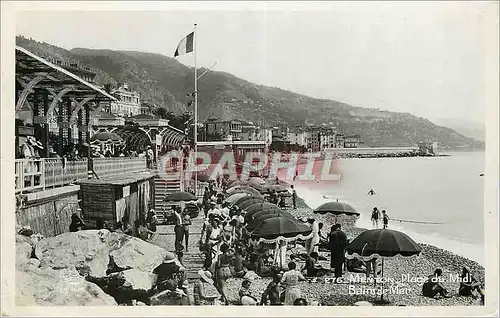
column 165, row 82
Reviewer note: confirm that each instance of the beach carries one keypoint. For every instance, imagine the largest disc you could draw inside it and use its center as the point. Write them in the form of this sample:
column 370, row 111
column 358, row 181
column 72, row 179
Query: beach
column 404, row 275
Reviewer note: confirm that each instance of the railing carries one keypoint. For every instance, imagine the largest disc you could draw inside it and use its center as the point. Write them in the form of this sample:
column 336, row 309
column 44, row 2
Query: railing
column 59, row 173
column 35, row 174
column 111, row 166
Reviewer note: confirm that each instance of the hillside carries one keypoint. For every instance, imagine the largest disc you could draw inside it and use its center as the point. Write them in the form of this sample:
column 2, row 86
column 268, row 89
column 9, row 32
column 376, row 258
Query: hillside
column 469, row 129
column 165, row 82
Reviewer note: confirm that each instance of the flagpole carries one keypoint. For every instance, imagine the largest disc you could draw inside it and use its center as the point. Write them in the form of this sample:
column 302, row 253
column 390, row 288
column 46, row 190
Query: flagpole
column 195, row 114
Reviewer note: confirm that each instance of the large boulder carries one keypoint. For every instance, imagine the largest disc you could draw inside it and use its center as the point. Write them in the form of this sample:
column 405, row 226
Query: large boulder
column 130, row 252
column 49, row 287
column 137, row 279
column 87, row 250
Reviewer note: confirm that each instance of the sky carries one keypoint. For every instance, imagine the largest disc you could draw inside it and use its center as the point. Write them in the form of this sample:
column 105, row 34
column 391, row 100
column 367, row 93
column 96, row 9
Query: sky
column 424, row 58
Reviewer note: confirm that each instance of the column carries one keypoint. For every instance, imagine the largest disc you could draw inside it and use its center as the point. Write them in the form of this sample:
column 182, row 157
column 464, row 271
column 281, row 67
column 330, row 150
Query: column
column 68, row 120
column 46, row 132
column 86, row 107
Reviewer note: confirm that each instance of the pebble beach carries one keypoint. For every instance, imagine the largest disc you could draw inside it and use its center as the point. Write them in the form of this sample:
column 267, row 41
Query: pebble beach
column 403, row 276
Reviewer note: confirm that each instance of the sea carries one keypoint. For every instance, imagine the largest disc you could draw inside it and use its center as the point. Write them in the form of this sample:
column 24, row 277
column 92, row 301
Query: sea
column 439, row 200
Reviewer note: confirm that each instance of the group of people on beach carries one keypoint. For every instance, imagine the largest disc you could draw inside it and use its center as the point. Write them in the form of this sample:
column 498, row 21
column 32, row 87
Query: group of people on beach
column 377, row 215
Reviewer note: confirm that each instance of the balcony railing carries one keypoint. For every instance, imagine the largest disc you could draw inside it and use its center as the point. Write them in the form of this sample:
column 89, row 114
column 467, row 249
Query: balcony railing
column 44, row 173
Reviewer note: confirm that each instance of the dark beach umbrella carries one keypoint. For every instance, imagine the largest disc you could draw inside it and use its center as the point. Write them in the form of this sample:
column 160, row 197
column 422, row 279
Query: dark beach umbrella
column 285, row 194
column 259, row 187
column 247, row 201
column 336, row 208
column 261, row 216
column 244, row 189
column 245, row 204
column 277, row 188
column 238, row 183
column 235, row 196
column 280, row 227
column 180, row 196
column 201, row 177
column 382, row 243
column 258, row 208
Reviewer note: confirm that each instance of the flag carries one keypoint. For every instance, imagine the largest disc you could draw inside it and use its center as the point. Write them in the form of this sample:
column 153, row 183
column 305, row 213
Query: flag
column 185, row 46
column 191, row 94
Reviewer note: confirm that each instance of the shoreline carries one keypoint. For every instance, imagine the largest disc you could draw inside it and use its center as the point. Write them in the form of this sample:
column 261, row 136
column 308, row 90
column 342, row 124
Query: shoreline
column 417, row 268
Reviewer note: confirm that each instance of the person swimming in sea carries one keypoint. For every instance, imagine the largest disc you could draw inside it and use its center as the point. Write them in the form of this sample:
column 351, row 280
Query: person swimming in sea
column 371, row 192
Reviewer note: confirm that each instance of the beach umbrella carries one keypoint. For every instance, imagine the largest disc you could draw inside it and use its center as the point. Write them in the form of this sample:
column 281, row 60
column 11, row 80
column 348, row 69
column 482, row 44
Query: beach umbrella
column 382, row 243
column 244, row 189
column 277, row 188
column 259, row 187
column 261, row 216
column 280, row 228
column 259, row 207
column 235, row 196
column 336, row 208
column 180, row 196
column 257, row 180
column 250, row 200
column 246, row 203
column 238, row 183
column 201, row 177
column 285, row 194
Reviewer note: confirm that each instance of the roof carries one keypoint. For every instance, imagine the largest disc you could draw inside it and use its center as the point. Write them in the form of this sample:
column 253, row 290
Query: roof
column 29, row 64
column 106, row 115
column 121, row 179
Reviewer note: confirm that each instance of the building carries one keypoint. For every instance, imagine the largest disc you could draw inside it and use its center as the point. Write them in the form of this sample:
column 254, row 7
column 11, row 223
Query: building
column 146, row 109
column 428, row 148
column 327, row 139
column 128, row 102
column 224, row 129
column 351, row 141
column 297, row 136
column 339, row 140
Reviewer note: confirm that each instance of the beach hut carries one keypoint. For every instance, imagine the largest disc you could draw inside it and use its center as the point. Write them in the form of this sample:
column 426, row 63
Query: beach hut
column 112, row 198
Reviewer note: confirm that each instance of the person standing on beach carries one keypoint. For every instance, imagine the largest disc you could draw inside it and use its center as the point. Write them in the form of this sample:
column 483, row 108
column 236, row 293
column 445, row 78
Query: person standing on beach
column 385, row 219
column 186, row 222
column 371, row 192
column 294, row 197
column 338, row 243
column 178, row 228
column 375, row 217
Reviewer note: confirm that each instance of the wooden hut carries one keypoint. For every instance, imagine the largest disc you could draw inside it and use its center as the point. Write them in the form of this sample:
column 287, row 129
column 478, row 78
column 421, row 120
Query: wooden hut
column 112, row 198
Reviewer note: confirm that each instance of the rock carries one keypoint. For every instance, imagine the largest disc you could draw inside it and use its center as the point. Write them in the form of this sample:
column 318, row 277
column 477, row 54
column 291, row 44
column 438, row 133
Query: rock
column 363, row 303
column 82, row 249
column 27, row 264
column 23, row 252
column 131, row 252
column 49, row 287
column 137, row 278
